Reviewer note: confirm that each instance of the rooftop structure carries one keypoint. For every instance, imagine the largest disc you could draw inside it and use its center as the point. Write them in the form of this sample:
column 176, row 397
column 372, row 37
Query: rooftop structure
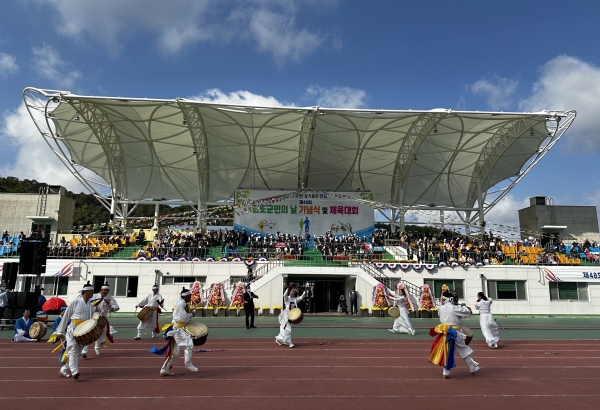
column 183, row 151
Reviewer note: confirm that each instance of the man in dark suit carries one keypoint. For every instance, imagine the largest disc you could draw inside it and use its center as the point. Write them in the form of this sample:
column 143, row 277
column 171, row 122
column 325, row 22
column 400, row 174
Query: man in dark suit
column 249, row 297
column 353, row 296
column 311, row 300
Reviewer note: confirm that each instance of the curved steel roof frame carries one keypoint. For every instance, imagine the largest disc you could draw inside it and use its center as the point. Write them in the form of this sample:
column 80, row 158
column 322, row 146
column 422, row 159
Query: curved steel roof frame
column 184, row 151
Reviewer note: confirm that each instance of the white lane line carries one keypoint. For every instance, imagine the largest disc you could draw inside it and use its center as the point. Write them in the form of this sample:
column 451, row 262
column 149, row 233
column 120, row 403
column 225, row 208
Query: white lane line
column 342, row 379
column 547, row 356
column 299, row 367
column 238, row 396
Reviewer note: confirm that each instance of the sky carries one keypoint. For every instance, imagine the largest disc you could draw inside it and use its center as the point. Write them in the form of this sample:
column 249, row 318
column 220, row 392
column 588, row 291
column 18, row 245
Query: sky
column 463, row 55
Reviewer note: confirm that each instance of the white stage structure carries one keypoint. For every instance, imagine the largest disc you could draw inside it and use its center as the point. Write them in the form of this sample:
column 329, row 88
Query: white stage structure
column 181, row 151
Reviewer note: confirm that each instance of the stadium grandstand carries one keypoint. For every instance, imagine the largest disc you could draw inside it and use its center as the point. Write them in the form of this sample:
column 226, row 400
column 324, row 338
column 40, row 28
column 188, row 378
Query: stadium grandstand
column 304, row 184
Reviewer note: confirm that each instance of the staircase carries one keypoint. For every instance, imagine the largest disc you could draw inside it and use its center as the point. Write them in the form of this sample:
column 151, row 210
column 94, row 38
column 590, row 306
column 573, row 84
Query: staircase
column 42, row 200
column 413, row 289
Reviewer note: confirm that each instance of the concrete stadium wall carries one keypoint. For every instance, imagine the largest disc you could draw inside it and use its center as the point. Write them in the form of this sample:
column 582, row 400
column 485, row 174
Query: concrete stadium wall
column 270, row 288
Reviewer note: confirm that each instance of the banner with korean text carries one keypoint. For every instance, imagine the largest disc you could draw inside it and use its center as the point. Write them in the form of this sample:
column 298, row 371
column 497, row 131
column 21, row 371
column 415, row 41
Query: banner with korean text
column 582, row 274
column 299, row 213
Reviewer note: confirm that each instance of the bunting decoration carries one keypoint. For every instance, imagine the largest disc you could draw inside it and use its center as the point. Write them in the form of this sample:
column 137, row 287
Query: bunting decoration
column 250, row 263
column 430, row 267
column 393, row 267
column 379, row 265
column 405, row 267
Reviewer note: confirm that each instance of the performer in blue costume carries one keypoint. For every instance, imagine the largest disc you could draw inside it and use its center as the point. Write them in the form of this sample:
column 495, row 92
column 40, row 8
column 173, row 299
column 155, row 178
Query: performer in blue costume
column 22, row 328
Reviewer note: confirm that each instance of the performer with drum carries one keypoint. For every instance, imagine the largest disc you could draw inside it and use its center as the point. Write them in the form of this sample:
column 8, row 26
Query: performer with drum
column 488, row 324
column 148, row 316
column 181, row 339
column 22, row 327
column 443, row 350
column 285, row 321
column 104, row 304
column 402, row 323
column 77, row 312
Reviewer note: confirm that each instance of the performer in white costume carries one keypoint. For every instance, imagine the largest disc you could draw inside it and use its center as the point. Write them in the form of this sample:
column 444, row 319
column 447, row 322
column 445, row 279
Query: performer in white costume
column 402, row 322
column 488, row 324
column 154, row 301
column 450, row 315
column 181, row 339
column 104, row 303
column 285, row 327
column 77, row 312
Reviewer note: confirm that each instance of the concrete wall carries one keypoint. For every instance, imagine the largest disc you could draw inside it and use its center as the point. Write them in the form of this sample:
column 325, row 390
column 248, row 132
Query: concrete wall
column 270, row 287
column 581, row 221
column 14, row 209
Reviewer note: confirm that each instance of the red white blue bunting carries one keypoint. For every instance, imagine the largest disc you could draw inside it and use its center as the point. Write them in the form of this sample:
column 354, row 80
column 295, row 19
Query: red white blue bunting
column 379, row 265
column 430, row 267
column 250, row 263
column 405, row 266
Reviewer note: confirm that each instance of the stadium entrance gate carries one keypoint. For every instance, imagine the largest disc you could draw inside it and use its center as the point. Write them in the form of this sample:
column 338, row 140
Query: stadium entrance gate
column 327, row 290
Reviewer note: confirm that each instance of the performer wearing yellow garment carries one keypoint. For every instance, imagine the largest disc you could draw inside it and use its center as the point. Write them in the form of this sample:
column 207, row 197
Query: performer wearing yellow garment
column 78, row 311
column 104, row 303
column 450, row 337
column 181, row 339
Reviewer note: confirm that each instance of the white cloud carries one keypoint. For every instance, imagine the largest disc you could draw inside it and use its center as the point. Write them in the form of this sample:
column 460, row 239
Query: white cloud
column 175, row 24
column 239, row 97
column 8, row 65
column 336, row 97
column 277, row 33
column 568, row 83
column 34, row 159
column 497, row 90
column 48, row 63
column 505, row 213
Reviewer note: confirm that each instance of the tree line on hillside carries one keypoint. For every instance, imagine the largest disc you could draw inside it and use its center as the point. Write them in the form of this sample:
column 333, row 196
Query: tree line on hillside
column 88, row 211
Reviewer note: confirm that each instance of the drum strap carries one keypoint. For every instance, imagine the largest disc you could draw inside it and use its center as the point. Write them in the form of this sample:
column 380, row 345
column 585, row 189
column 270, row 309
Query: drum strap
column 77, row 321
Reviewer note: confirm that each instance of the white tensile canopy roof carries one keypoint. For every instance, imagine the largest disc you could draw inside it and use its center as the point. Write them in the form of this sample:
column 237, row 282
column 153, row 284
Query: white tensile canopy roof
column 183, row 150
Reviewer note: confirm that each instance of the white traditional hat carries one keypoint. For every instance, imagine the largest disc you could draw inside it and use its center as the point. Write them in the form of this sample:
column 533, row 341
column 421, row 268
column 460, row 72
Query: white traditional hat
column 105, row 286
column 87, row 286
column 185, row 292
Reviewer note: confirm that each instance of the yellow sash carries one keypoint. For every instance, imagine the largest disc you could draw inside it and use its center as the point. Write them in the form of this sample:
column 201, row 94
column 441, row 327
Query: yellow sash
column 77, row 321
column 438, row 354
column 181, row 325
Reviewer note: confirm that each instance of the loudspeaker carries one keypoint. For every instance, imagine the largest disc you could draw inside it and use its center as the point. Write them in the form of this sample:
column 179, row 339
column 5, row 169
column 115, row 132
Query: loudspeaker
column 18, row 302
column 32, row 258
column 9, row 274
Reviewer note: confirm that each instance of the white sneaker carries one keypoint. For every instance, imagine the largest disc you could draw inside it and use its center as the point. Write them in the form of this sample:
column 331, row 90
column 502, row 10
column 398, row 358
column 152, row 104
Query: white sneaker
column 64, row 373
column 495, row 346
column 291, row 345
column 192, row 368
column 97, row 351
column 412, row 333
column 277, row 341
column 164, row 372
column 391, row 330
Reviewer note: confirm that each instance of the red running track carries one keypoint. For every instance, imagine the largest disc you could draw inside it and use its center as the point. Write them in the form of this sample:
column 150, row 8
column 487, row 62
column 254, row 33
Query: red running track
column 316, row 374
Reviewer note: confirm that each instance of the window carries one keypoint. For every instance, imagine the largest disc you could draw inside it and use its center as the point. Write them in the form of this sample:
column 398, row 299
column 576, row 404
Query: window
column 120, row 286
column 568, row 291
column 55, row 286
column 454, row 285
column 172, row 280
column 507, row 289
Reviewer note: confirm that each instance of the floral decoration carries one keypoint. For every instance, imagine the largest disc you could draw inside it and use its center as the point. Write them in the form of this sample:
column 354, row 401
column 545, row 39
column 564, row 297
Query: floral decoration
column 196, row 290
column 217, row 297
column 379, row 296
column 237, row 299
column 426, row 301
